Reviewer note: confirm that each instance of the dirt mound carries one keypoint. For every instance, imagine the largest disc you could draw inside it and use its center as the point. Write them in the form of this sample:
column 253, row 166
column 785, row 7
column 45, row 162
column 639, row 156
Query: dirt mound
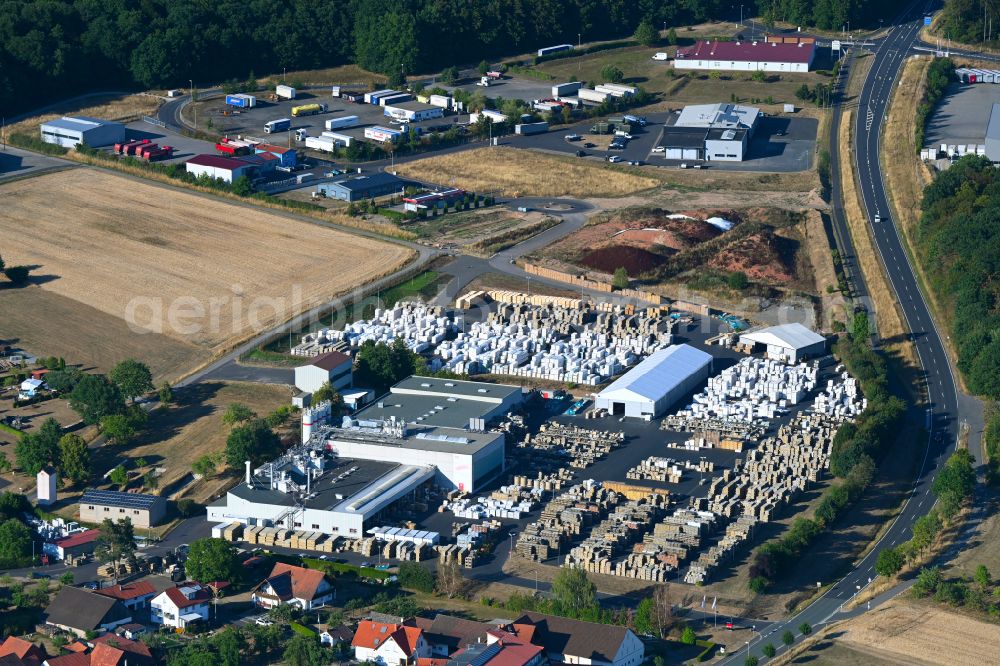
column 633, row 259
column 757, row 255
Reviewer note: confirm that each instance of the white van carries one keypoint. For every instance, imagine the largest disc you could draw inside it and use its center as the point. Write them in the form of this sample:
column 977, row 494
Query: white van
column 659, row 56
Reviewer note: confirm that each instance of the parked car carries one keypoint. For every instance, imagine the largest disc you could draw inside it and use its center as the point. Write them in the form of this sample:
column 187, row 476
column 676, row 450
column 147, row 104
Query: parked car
column 572, row 137
column 38, row 575
column 623, row 134
column 90, row 585
column 635, row 162
column 589, row 145
column 659, row 149
column 263, row 621
column 614, row 158
column 581, row 153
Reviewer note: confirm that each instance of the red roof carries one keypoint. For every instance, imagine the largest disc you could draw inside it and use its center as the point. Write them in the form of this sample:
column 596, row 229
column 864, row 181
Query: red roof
column 78, row 539
column 271, row 148
column 407, row 638
column 71, row 659
column 77, row 646
column 305, row 582
column 748, row 51
column 375, row 634
column 330, row 360
column 134, row 651
column 21, row 649
column 128, row 591
column 218, row 162
column 177, row 597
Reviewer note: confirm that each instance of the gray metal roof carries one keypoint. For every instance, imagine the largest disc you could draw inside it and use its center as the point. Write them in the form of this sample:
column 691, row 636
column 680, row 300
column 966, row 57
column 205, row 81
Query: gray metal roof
column 120, row 500
column 659, row 373
column 418, row 437
column 78, row 123
column 456, row 387
column 791, row 336
column 993, row 127
column 327, row 487
column 369, row 181
column 683, row 137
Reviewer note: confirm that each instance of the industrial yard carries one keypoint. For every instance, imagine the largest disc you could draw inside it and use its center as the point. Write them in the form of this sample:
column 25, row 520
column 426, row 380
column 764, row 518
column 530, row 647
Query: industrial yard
column 159, row 254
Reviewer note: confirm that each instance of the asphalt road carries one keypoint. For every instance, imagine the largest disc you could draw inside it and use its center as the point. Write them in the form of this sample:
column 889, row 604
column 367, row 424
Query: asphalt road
column 940, row 383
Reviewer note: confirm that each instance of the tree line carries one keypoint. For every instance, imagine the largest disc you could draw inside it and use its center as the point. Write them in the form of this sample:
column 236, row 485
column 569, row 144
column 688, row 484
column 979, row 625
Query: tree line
column 958, row 244
column 970, row 21
column 828, row 14
column 52, row 50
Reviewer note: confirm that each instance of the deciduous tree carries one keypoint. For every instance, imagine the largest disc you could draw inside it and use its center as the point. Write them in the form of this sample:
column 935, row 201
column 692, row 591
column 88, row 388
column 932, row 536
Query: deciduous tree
column 573, row 590
column 74, row 459
column 115, row 543
column 132, row 378
column 211, row 560
column 95, row 397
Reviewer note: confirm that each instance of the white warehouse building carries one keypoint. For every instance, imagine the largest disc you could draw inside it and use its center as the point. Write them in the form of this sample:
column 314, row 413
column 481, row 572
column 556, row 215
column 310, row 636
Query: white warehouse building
column 413, row 111
column 652, row 387
column 71, row 130
column 770, row 56
column 790, row 343
column 334, row 367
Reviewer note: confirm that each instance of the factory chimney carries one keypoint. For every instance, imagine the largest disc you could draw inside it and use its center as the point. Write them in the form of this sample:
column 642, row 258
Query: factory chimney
column 248, row 472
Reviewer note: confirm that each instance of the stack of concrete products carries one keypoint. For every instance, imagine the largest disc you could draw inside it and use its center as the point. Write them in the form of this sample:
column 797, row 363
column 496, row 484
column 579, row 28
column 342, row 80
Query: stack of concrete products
column 737, row 534
column 540, row 300
column 545, row 482
column 754, row 390
column 477, row 533
column 421, row 327
column 841, row 399
column 715, row 432
column 657, row 468
column 228, row 531
column 465, row 556
column 487, row 507
column 671, row 542
column 419, row 537
column 626, row 525
column 567, row 516
column 584, row 447
column 405, row 551
column 711, row 439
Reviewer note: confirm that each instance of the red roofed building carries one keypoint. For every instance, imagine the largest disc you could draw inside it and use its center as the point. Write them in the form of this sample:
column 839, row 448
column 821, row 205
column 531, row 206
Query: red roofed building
column 179, row 606
column 747, row 56
column 389, row 644
column 227, row 169
column 74, row 545
column 111, row 650
column 133, row 595
column 298, row 586
column 71, row 659
column 26, row 651
column 333, row 367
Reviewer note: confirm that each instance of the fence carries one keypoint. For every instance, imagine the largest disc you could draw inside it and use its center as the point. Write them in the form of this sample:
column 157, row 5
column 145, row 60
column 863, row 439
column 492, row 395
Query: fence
column 153, row 121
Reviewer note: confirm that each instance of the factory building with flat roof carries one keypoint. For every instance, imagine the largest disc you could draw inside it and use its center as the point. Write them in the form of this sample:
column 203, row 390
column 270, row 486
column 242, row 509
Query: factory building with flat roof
column 344, row 474
column 714, row 132
column 68, row 131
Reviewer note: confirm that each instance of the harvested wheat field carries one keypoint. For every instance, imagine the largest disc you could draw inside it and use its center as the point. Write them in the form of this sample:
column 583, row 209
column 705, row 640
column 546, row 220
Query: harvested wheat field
column 912, row 633
column 194, row 268
column 123, row 108
column 524, row 173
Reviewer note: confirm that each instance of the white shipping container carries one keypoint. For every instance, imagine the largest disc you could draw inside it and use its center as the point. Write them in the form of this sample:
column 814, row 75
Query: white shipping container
column 287, row 92
column 592, row 95
column 440, row 100
column 343, row 122
column 338, row 138
column 323, row 143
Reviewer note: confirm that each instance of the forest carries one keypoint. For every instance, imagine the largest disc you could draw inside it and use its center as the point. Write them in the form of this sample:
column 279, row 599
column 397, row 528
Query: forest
column 958, row 243
column 970, row 21
column 53, row 49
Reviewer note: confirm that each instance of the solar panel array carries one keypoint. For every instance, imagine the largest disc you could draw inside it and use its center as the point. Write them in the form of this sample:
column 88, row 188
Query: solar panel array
column 117, row 499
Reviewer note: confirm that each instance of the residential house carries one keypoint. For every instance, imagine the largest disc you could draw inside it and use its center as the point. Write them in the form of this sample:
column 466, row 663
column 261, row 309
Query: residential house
column 24, row 651
column 335, row 635
column 80, row 611
column 446, row 634
column 30, row 388
column 389, row 644
column 514, row 650
column 576, row 642
column 134, row 595
column 112, row 650
column 71, row 659
column 177, row 607
column 298, row 586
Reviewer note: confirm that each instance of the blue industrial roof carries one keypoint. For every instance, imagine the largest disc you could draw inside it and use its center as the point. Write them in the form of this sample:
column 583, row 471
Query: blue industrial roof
column 659, row 373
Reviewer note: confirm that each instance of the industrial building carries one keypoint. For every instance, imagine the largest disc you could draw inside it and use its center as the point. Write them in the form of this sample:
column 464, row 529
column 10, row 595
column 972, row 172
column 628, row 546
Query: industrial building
column 342, row 476
column 286, row 156
column 993, row 135
column 652, row 387
column 334, row 367
column 413, row 111
column 227, row 169
column 435, row 199
column 369, row 186
column 742, row 56
column 143, row 510
column 789, row 342
column 715, row 132
column 71, row 130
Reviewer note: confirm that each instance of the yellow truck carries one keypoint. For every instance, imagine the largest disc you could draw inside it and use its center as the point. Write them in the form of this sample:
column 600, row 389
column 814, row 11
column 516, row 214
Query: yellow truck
column 308, row 109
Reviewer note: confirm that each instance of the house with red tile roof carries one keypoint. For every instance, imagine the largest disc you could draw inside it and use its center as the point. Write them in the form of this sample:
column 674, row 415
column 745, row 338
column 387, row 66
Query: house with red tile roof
column 134, row 595
column 26, row 651
column 71, row 659
column 179, row 606
column 389, row 644
column 298, row 586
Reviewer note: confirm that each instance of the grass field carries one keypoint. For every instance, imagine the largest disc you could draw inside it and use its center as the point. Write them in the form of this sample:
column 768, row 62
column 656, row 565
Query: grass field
column 524, row 173
column 469, row 228
column 906, row 632
column 199, row 270
column 121, row 108
column 191, row 428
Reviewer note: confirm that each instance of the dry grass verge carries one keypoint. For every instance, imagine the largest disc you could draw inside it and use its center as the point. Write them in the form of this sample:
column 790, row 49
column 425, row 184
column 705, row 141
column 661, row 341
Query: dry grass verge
column 107, row 243
column 524, row 173
column 891, row 326
column 124, row 109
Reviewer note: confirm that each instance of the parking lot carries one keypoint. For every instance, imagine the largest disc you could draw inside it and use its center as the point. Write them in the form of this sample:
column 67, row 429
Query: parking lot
column 962, row 115
column 780, row 144
column 509, row 88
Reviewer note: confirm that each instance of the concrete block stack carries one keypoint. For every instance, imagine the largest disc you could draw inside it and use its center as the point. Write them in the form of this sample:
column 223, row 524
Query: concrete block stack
column 841, row 398
column 545, row 482
column 565, row 517
column 421, row 327
column 464, row 555
column 582, row 446
column 622, row 528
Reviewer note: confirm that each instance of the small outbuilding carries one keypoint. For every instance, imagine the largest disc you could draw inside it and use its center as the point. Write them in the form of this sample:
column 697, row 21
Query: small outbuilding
column 363, row 187
column 68, row 131
column 652, row 387
column 789, row 342
column 227, row 169
column 334, row 367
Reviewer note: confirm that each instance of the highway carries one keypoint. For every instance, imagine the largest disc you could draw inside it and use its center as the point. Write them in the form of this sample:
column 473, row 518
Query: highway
column 942, row 418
